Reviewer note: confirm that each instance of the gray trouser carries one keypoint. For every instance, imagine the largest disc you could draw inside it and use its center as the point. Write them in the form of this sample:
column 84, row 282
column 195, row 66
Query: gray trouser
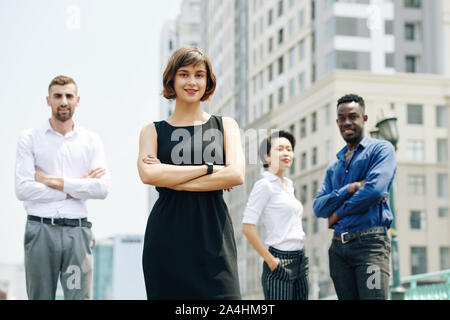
column 58, row 251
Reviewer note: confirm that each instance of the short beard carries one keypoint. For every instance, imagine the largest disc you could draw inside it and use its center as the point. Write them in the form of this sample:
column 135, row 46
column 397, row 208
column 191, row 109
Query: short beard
column 355, row 139
column 63, row 118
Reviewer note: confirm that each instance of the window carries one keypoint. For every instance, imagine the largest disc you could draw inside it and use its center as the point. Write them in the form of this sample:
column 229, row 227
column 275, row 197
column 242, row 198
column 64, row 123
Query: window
column 280, row 36
column 314, row 156
column 314, row 189
column 313, row 42
column 270, row 17
column 442, row 185
column 301, row 18
column 304, row 194
column 416, row 185
column 291, row 88
column 442, row 152
column 388, row 27
column 301, row 50
column 280, row 95
column 270, row 73
column 303, row 161
column 305, row 224
column 415, row 114
column 413, row 4
column 329, row 147
column 270, row 44
column 330, row 61
column 254, row 30
column 417, row 220
column 313, row 73
column 443, row 212
column 291, row 57
column 292, row 168
column 261, row 107
column 416, row 150
column 254, row 85
column 444, row 254
column 328, row 114
column 330, row 29
column 291, row 27
column 292, row 129
column 291, row 3
column 315, row 225
column 301, row 81
column 313, row 10
column 271, row 102
column 418, row 260
column 389, row 60
column 303, row 128
column 261, row 79
column 441, row 117
column 410, row 64
column 280, row 8
column 410, row 31
column 280, row 65
column 314, row 122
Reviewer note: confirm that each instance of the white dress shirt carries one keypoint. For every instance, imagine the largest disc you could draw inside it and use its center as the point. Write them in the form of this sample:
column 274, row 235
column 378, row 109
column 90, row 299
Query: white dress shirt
column 71, row 157
column 279, row 210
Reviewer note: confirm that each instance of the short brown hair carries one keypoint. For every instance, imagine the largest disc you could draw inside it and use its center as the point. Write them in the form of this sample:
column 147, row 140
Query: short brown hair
column 182, row 57
column 62, row 81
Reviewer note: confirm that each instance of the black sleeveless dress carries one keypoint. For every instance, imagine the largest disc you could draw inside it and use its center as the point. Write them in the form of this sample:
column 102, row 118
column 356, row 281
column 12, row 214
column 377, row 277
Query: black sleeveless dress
column 189, row 246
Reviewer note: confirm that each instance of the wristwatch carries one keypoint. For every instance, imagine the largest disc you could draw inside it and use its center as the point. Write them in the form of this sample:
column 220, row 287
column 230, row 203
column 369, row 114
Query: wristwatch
column 210, row 168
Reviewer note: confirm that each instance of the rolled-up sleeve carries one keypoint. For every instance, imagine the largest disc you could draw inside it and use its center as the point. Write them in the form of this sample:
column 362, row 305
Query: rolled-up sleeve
column 91, row 188
column 257, row 201
column 328, row 199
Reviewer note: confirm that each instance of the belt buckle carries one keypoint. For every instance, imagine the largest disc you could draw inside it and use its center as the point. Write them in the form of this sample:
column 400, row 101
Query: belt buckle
column 342, row 238
column 53, row 222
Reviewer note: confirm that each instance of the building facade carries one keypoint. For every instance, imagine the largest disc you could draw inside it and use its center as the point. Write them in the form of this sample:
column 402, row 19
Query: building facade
column 297, row 58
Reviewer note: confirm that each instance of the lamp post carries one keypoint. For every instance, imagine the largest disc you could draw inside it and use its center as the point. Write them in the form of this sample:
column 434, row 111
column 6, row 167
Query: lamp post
column 386, row 129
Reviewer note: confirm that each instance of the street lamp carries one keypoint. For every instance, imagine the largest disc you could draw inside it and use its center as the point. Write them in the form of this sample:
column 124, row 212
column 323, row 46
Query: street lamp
column 386, row 129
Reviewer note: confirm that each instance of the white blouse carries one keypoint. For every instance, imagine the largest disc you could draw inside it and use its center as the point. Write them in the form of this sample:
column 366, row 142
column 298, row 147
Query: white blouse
column 279, row 210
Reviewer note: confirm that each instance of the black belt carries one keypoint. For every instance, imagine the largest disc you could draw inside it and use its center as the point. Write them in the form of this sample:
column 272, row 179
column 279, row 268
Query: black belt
column 349, row 236
column 82, row 222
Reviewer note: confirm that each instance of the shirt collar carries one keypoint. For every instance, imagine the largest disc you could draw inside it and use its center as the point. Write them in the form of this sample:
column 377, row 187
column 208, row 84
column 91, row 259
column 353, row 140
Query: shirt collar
column 362, row 144
column 271, row 177
column 46, row 127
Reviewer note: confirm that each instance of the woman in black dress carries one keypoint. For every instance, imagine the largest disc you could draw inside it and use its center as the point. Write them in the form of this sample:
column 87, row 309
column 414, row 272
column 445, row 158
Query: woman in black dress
column 189, row 247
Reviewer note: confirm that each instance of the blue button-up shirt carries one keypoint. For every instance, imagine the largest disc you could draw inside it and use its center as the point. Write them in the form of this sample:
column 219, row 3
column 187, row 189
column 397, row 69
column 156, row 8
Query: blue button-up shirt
column 373, row 161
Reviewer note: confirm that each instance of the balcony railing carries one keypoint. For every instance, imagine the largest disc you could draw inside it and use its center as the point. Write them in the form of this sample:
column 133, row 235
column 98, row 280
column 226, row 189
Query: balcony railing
column 426, row 286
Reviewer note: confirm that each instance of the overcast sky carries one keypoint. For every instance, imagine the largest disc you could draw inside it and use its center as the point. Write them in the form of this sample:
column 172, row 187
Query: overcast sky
column 111, row 49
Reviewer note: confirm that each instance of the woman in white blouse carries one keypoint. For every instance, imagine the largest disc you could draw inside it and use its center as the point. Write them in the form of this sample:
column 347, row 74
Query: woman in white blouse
column 285, row 267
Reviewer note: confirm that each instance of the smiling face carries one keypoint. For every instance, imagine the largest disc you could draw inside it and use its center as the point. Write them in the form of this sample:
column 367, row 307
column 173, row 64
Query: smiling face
column 281, row 154
column 63, row 100
column 190, row 83
column 350, row 120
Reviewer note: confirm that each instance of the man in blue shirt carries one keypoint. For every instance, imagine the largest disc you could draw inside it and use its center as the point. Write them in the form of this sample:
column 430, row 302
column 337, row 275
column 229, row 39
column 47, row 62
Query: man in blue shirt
column 353, row 199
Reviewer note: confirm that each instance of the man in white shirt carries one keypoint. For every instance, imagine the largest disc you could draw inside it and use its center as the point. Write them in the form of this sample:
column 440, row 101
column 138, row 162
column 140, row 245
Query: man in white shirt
column 58, row 167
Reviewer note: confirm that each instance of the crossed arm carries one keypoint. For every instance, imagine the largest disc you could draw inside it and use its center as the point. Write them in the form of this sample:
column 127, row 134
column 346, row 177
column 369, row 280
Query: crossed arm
column 192, row 178
column 357, row 197
column 32, row 184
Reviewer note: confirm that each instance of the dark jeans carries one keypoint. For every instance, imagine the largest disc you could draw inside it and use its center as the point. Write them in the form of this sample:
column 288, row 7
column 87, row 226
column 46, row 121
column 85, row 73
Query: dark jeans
column 360, row 268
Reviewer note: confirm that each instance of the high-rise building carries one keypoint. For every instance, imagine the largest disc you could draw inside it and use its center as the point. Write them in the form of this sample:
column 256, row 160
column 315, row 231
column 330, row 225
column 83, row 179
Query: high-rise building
column 118, row 271
column 297, row 58
column 185, row 30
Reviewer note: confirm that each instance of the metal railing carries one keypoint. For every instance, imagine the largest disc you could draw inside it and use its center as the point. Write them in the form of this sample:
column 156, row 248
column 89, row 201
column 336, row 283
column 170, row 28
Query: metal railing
column 425, row 286
column 418, row 289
